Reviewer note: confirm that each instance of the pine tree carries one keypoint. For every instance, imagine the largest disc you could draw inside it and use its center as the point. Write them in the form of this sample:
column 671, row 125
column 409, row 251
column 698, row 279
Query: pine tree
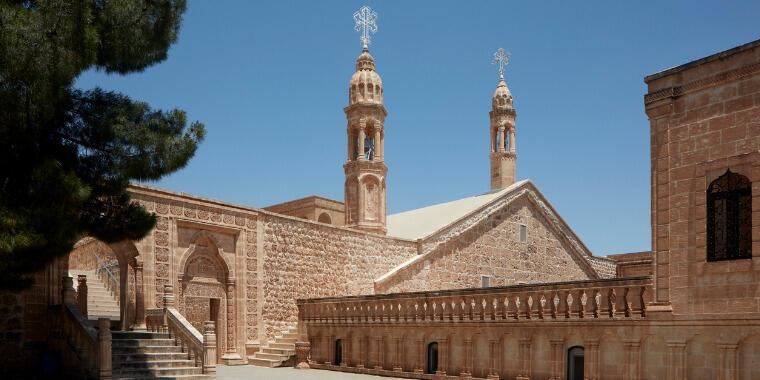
column 66, row 154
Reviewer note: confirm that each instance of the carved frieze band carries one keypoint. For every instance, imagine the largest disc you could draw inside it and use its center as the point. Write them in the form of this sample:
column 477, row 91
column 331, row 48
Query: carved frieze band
column 672, row 92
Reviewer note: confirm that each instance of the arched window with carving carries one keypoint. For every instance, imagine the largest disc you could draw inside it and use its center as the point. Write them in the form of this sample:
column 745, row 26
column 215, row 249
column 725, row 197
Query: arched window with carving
column 729, row 218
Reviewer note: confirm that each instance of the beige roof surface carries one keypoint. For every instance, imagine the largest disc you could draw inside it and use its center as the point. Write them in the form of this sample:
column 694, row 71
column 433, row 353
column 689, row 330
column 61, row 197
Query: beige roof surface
column 421, row 222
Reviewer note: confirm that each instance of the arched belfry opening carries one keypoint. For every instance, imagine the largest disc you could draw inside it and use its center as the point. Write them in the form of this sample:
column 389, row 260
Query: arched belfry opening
column 729, row 218
column 432, row 358
column 575, row 363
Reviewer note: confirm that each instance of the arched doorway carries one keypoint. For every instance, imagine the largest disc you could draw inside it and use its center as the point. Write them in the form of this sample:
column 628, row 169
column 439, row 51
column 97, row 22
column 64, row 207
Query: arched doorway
column 338, row 352
column 432, row 358
column 207, row 289
column 575, row 363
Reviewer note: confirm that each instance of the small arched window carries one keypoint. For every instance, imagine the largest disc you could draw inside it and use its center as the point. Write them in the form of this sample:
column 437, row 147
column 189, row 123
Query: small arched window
column 324, row 218
column 729, row 218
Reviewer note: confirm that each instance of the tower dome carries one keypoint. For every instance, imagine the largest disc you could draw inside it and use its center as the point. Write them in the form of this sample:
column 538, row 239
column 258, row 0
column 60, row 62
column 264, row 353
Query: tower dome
column 502, row 97
column 365, row 85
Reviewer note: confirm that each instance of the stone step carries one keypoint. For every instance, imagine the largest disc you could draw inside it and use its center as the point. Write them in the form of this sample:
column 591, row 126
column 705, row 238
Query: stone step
column 141, row 335
column 293, row 335
column 279, row 339
column 154, row 372
column 154, row 364
column 264, row 355
column 287, row 346
column 178, row 377
column 143, row 342
column 145, row 349
column 263, row 362
column 148, row 356
column 278, row 351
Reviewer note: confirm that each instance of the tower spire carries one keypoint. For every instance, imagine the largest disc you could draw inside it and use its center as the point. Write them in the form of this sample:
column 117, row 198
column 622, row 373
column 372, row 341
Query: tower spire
column 502, row 131
column 365, row 167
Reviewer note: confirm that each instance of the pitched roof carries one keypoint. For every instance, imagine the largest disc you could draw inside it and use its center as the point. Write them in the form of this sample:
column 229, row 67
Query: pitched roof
column 422, row 222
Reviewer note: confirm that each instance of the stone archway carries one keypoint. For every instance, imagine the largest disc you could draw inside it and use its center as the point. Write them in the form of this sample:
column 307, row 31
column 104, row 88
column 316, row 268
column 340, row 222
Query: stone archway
column 207, row 291
column 131, row 303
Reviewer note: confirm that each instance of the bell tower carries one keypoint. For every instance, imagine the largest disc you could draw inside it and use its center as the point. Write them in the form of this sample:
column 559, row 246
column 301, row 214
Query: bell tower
column 503, row 155
column 364, row 168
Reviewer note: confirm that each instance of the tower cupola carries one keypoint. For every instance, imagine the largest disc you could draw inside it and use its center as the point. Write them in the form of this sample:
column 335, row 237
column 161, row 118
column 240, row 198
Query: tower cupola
column 365, row 85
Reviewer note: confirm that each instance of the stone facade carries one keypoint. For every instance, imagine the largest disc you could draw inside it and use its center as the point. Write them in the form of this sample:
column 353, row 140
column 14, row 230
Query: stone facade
column 691, row 314
column 705, row 120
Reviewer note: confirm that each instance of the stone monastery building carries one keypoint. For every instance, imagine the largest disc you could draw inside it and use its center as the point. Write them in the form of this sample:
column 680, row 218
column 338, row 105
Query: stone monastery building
column 496, row 285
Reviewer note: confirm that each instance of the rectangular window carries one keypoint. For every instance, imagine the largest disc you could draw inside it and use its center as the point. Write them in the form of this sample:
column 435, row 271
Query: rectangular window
column 485, row 281
column 523, row 233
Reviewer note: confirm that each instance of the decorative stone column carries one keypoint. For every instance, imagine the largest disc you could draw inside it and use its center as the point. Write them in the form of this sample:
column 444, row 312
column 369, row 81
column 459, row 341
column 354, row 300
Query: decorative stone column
column 378, row 153
column 557, row 357
column 378, row 353
column 467, row 369
column 443, row 363
column 676, row 360
column 632, row 359
column 591, row 356
column 209, row 348
column 524, row 355
column 67, row 291
column 168, row 300
column 82, row 294
column 728, row 362
column 512, row 141
column 231, row 357
column 420, row 352
column 397, row 357
column 361, row 360
column 494, row 351
column 104, row 348
column 302, row 355
column 139, row 297
column 345, row 357
column 360, row 153
column 500, row 139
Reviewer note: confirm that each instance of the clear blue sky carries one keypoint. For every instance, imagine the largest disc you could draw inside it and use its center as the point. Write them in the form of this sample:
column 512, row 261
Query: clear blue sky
column 270, row 80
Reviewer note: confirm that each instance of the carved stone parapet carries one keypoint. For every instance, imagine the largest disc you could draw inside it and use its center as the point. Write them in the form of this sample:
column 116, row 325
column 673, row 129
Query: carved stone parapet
column 302, row 355
column 104, row 348
column 67, row 290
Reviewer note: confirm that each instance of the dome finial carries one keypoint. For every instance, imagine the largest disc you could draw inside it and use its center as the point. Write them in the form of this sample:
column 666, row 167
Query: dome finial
column 366, row 23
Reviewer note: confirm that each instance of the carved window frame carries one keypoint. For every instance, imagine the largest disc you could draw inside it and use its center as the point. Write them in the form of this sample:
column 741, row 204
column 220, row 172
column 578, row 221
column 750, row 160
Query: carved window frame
column 729, row 218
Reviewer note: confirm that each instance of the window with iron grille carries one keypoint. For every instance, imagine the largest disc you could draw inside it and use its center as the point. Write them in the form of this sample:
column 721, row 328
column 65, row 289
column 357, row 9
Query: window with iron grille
column 729, row 218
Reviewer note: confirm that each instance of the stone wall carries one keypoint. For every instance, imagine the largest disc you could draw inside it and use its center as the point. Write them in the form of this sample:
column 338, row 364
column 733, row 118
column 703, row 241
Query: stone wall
column 704, row 120
column 493, row 248
column 83, row 256
column 305, row 260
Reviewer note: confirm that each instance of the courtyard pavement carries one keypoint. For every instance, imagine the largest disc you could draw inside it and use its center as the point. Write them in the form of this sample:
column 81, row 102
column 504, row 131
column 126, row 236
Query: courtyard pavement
column 249, row 372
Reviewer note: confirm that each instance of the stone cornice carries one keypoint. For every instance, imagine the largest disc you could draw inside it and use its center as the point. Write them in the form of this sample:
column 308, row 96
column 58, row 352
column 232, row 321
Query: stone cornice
column 727, row 76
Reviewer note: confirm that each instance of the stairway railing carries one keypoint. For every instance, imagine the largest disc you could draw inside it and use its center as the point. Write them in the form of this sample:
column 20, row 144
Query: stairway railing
column 200, row 347
column 83, row 344
column 105, row 273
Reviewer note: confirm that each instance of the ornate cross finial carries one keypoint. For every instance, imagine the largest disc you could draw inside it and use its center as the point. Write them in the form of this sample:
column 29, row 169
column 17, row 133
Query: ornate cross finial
column 366, row 23
column 501, row 58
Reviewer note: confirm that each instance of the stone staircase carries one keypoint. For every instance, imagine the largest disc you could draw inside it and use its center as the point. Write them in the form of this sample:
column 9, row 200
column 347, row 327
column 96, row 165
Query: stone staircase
column 147, row 355
column 100, row 302
column 277, row 353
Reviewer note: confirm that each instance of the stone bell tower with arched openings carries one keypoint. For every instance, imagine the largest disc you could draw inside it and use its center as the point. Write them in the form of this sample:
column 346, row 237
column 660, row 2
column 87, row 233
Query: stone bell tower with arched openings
column 364, row 167
column 503, row 154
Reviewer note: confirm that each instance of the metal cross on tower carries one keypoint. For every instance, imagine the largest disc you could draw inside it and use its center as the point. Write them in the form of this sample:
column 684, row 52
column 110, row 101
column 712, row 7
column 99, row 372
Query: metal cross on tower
column 501, row 58
column 366, row 23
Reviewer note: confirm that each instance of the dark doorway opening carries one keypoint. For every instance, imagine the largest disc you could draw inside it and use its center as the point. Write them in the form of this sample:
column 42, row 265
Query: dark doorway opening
column 214, row 316
column 575, row 363
column 432, row 358
column 338, row 352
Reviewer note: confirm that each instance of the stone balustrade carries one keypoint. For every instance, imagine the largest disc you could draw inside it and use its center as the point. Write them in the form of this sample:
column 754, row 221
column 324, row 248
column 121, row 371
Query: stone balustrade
column 200, row 348
column 82, row 347
column 594, row 299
